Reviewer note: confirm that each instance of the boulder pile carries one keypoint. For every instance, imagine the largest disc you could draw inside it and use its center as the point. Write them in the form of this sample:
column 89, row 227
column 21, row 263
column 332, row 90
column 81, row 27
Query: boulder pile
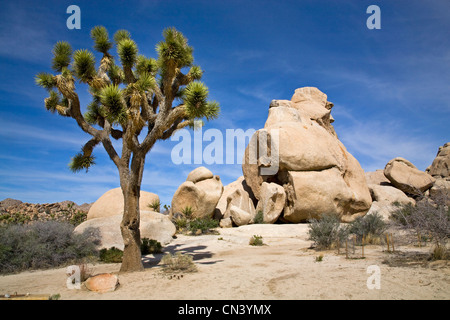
column 305, row 172
column 295, row 169
column 12, row 209
column 401, row 183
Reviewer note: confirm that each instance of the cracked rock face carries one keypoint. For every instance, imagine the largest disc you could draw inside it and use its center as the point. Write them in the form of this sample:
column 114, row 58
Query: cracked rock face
column 299, row 150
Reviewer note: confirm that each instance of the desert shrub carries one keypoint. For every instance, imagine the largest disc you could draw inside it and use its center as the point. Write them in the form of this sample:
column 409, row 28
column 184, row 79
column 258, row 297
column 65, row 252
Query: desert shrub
column 111, row 255
column 187, row 212
column 78, row 218
column 203, row 224
column 432, row 218
column 40, row 245
column 327, row 231
column 178, row 263
column 402, row 213
column 371, row 227
column 256, row 241
column 180, row 223
column 14, row 218
column 155, row 205
column 428, row 217
column 149, row 246
column 259, row 217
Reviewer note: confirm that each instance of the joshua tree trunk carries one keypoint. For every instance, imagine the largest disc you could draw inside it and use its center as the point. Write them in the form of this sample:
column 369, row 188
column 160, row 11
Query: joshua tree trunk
column 131, row 188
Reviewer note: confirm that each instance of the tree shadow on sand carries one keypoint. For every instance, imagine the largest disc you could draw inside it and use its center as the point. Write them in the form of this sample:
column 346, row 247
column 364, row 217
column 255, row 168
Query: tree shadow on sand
column 196, row 252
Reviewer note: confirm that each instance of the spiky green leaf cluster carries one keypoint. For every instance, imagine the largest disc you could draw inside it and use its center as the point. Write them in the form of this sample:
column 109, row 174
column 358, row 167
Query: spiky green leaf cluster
column 62, row 52
column 146, row 82
column 127, row 50
column 146, row 65
column 45, row 80
column 81, row 162
column 101, row 39
column 84, row 65
column 115, row 73
column 111, row 97
column 94, row 113
column 121, row 35
column 52, row 101
column 195, row 99
column 174, row 49
column 212, row 110
column 196, row 73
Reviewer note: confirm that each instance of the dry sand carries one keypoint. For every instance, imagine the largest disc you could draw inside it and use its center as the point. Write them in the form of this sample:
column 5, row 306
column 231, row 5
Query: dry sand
column 284, row 268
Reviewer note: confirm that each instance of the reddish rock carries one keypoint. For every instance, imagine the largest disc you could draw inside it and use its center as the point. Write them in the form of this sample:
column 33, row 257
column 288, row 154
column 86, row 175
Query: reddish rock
column 105, row 282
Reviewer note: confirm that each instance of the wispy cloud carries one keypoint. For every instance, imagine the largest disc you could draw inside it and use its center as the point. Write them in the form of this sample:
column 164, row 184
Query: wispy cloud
column 30, row 134
column 374, row 143
column 23, row 36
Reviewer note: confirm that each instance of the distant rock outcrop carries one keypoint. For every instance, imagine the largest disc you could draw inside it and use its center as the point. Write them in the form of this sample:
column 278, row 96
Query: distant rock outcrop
column 12, row 210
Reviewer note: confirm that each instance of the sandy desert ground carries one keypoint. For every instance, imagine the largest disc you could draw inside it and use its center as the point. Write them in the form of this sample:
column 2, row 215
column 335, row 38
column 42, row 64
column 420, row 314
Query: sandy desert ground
column 284, row 268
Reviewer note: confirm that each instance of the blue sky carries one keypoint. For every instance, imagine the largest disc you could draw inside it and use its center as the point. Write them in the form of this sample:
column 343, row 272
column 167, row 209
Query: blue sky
column 390, row 87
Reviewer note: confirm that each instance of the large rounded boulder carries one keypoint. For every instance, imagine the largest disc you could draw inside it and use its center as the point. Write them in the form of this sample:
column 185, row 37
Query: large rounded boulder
column 111, row 203
column 405, row 176
column 153, row 225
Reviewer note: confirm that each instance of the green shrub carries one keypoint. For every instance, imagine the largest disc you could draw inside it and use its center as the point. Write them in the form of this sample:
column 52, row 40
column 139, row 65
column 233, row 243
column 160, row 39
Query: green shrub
column 187, row 212
column 78, row 218
column 203, row 224
column 155, row 205
column 429, row 217
column 256, row 241
column 178, row 263
column 150, row 246
column 180, row 223
column 14, row 218
column 40, row 245
column 259, row 218
column 370, row 226
column 327, row 231
column 402, row 213
column 111, row 255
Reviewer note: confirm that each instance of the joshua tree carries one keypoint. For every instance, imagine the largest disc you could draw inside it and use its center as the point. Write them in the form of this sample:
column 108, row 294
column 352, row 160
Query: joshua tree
column 141, row 95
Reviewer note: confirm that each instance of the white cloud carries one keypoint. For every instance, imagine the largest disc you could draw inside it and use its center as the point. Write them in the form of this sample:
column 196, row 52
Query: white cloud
column 374, row 143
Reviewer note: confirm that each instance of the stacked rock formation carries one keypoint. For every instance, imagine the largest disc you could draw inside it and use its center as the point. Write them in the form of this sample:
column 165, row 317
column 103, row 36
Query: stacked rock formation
column 305, row 172
column 440, row 170
column 401, row 183
column 295, row 169
column 200, row 193
column 318, row 175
